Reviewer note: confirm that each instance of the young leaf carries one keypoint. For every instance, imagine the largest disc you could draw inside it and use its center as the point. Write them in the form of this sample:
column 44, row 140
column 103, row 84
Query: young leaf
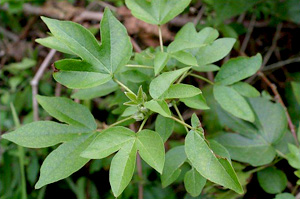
column 206, row 68
column 164, row 127
column 231, row 101
column 161, row 84
column 214, row 52
column 160, row 61
column 196, row 102
column 194, row 182
column 44, row 134
column 156, row 11
column 188, row 38
column 181, row 91
column 284, row 196
column 294, row 156
column 53, row 42
column 64, row 161
column 151, row 149
column 68, row 111
column 272, row 180
column 108, row 142
column 159, row 106
column 175, row 157
column 122, row 168
column 203, row 159
column 237, row 69
column 245, row 89
column 185, row 58
column 97, row 91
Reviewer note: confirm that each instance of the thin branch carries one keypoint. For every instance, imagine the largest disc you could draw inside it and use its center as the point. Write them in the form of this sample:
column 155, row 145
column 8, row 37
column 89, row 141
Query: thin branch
column 202, row 78
column 35, row 81
column 199, row 15
column 281, row 63
column 160, row 39
column 136, row 47
column 180, row 116
column 123, row 86
column 278, row 97
column 181, row 122
column 248, row 35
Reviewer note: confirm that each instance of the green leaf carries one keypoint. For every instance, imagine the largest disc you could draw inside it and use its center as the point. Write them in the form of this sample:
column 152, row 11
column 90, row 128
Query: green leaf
column 68, row 111
column 98, row 91
column 160, row 61
column 219, row 149
column 272, row 180
column 114, row 52
column 195, row 121
column 164, row 127
column 256, row 145
column 185, row 58
column 203, row 160
column 122, row 168
column 194, row 182
column 188, row 38
column 231, row 101
column 294, row 156
column 216, row 51
column 284, row 196
column 156, row 11
column 296, row 89
column 44, row 134
column 64, row 161
column 245, row 89
column 175, row 157
column 108, row 141
column 81, row 80
column 53, row 42
column 161, row 84
column 237, row 69
column 151, row 149
column 196, row 102
column 181, row 91
column 159, row 106
column 206, row 68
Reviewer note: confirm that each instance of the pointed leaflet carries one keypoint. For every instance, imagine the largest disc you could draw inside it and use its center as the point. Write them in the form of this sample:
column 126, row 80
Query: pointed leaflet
column 231, row 101
column 159, row 106
column 53, row 42
column 64, row 161
column 44, row 134
column 196, row 102
column 189, row 38
column 272, row 180
column 108, row 142
column 181, row 91
column 175, row 157
column 216, row 51
column 164, row 127
column 160, row 61
column 161, row 84
column 208, row 165
column 122, row 168
column 185, row 58
column 151, row 149
column 156, row 11
column 237, row 69
column 194, row 182
column 68, row 111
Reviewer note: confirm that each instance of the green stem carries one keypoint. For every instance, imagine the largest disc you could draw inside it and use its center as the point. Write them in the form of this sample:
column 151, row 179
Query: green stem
column 139, row 66
column 202, row 78
column 21, row 154
column 182, row 77
column 181, row 122
column 120, row 121
column 160, row 39
column 143, row 124
column 263, row 167
column 123, row 86
column 180, row 116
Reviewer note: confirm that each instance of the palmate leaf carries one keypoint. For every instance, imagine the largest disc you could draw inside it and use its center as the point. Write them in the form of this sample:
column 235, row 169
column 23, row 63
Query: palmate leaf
column 156, row 11
column 100, row 62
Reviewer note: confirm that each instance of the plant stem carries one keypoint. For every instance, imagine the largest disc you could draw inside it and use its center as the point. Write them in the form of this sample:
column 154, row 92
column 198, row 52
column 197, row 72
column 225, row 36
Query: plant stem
column 120, row 121
column 21, row 154
column 202, row 78
column 123, row 86
column 143, row 124
column 180, row 116
column 182, row 77
column 160, row 39
column 181, row 122
column 139, row 66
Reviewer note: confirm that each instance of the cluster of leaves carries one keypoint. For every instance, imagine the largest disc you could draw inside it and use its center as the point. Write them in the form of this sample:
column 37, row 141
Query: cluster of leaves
column 152, row 81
